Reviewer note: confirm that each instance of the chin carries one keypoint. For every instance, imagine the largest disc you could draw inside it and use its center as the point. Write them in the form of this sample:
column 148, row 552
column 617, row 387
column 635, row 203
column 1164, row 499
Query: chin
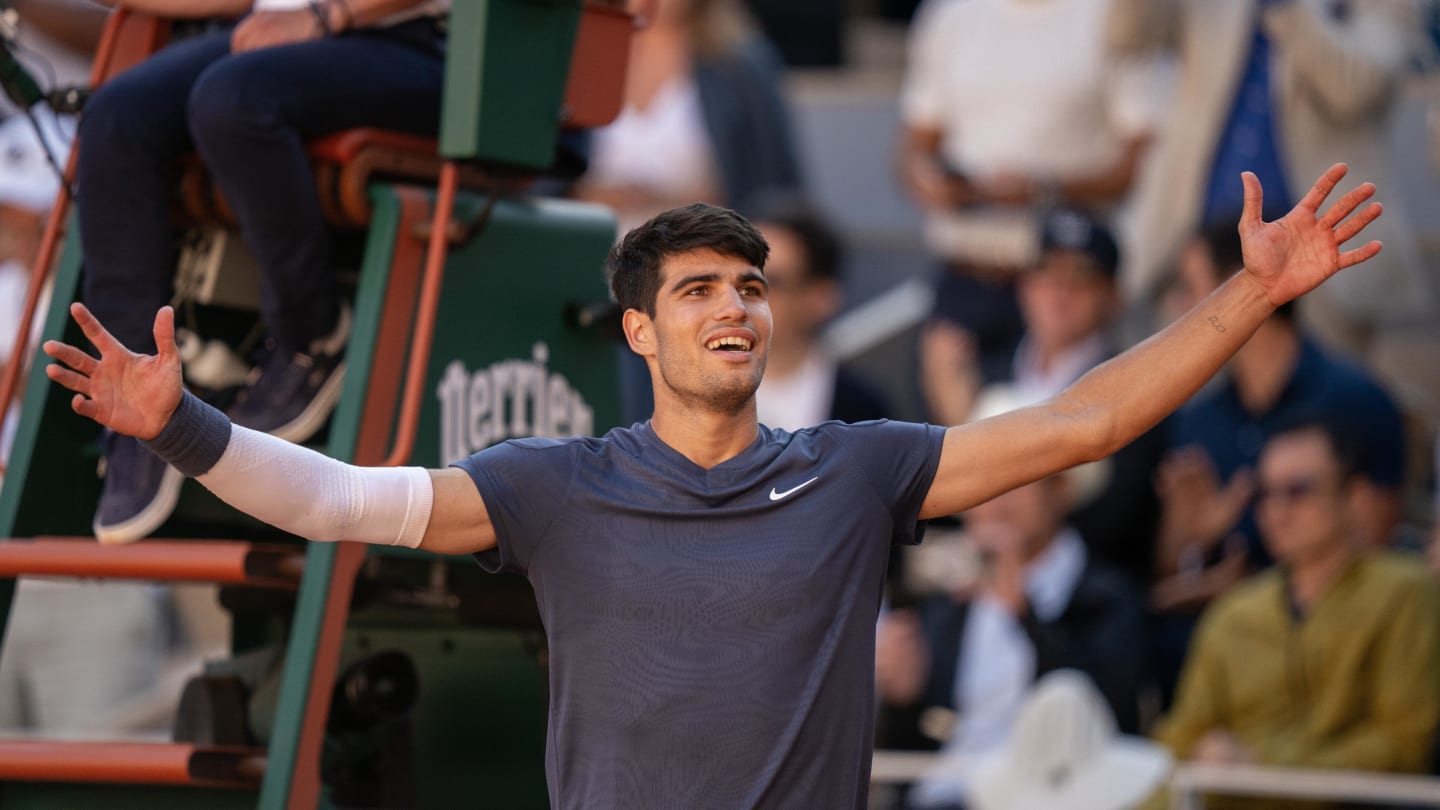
column 730, row 398
column 727, row 393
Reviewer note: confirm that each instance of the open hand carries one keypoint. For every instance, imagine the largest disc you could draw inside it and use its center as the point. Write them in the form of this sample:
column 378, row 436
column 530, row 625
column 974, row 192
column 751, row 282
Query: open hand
column 1196, row 509
column 1293, row 254
column 130, row 393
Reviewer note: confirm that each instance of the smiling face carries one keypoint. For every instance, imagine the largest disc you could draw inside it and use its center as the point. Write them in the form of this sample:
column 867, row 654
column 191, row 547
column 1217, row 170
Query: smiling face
column 707, row 342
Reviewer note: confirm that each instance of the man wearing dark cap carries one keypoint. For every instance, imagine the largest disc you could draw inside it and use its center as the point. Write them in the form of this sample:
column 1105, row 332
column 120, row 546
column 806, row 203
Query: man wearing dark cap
column 1068, row 302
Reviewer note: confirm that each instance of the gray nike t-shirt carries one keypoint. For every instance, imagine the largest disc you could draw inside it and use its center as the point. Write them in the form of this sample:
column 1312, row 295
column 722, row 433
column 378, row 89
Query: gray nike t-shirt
column 711, row 632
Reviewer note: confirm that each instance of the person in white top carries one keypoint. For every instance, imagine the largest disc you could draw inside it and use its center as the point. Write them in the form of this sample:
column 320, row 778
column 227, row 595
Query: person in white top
column 1008, row 107
column 704, row 117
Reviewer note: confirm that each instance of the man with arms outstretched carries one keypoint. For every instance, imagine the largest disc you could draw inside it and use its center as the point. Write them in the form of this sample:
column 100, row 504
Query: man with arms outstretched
column 709, row 586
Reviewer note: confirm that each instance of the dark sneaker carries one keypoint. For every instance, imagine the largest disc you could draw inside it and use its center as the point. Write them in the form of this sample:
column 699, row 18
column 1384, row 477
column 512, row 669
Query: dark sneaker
column 291, row 394
column 139, row 492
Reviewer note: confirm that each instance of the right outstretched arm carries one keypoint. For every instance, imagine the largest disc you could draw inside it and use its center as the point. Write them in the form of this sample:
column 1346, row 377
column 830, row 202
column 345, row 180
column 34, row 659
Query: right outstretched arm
column 288, row 486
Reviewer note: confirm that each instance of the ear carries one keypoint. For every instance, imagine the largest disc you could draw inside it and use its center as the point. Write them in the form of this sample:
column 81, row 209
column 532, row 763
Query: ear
column 1373, row 511
column 639, row 332
column 825, row 299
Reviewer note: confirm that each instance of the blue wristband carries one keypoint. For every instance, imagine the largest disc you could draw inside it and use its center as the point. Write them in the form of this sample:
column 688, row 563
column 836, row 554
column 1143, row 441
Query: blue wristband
column 194, row 438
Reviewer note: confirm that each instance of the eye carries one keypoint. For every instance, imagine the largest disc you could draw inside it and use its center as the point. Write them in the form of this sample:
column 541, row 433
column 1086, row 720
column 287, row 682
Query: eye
column 753, row 290
column 698, row 291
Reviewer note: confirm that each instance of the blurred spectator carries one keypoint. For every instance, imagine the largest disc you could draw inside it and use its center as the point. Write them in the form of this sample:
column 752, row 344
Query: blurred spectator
column 117, row 668
column 246, row 97
column 1067, row 753
column 1285, row 88
column 1279, row 373
column 1331, row 659
column 28, row 187
column 703, row 119
column 803, row 385
column 1010, row 106
column 1208, row 538
column 1069, row 304
column 964, row 662
column 1433, row 551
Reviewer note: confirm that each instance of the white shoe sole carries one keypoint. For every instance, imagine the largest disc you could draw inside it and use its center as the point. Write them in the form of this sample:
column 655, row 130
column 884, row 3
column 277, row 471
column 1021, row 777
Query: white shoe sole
column 150, row 518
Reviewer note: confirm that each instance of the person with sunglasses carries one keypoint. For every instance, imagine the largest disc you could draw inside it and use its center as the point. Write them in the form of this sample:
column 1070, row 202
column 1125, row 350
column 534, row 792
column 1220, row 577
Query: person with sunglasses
column 1330, row 658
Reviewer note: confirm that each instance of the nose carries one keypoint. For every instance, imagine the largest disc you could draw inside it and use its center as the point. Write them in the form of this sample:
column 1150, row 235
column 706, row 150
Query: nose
column 731, row 306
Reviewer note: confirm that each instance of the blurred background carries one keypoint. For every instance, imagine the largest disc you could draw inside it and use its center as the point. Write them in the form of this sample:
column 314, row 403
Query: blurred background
column 970, row 203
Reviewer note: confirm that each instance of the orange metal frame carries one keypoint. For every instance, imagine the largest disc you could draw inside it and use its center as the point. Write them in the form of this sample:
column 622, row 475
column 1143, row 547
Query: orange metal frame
column 231, row 563
column 132, row 763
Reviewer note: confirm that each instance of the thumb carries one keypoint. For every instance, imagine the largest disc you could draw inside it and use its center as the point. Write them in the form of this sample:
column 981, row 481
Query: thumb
column 1254, row 202
column 165, row 335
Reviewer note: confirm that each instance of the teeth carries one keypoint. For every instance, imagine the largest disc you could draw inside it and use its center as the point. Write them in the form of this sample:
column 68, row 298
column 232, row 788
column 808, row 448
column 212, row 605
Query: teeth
column 734, row 340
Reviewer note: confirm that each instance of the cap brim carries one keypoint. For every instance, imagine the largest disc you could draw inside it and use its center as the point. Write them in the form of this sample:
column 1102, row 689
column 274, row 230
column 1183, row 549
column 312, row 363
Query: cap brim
column 1121, row 776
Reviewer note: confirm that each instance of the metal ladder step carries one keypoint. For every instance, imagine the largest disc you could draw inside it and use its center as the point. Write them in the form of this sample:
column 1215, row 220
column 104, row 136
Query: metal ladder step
column 154, row 763
column 229, row 562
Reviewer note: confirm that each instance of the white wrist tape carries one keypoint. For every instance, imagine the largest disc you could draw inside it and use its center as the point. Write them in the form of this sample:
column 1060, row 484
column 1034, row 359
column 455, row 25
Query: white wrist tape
column 318, row 498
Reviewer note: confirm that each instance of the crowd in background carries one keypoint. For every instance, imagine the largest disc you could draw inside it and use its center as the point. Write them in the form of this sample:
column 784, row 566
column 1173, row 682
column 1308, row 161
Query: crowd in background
column 1247, row 582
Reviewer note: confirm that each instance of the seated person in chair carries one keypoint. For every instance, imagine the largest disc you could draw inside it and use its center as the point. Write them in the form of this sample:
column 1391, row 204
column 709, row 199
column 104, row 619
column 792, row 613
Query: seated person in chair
column 1042, row 601
column 1330, row 658
column 246, row 97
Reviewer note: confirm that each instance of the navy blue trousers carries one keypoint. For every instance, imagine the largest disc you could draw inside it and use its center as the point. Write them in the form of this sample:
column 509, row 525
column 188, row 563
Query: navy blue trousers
column 248, row 115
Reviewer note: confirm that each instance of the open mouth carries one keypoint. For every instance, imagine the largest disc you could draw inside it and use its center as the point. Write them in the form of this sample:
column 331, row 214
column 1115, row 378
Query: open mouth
column 730, row 343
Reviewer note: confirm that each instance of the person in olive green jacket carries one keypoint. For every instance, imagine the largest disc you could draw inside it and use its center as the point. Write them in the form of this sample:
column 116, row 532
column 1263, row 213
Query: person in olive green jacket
column 1331, row 659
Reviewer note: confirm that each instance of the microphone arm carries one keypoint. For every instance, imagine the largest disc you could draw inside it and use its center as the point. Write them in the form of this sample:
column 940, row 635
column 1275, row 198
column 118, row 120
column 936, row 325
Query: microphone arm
column 19, row 86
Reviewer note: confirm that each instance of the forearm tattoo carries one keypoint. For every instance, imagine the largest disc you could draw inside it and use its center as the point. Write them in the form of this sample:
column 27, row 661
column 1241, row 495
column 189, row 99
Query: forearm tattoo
column 1215, row 322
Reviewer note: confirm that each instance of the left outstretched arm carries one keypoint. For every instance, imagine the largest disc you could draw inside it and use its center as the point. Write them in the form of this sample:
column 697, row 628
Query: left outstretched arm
column 1118, row 400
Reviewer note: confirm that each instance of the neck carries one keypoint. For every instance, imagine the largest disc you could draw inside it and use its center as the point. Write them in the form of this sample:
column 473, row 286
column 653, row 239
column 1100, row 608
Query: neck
column 1264, row 365
column 707, row 438
column 1046, row 356
column 1310, row 579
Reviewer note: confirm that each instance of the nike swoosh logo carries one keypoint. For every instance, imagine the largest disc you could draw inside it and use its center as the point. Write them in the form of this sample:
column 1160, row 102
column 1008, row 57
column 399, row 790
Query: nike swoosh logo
column 777, row 496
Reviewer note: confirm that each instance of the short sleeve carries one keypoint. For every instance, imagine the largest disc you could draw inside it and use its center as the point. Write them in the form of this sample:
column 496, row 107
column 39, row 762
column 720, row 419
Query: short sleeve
column 922, row 94
column 509, row 476
column 900, row 459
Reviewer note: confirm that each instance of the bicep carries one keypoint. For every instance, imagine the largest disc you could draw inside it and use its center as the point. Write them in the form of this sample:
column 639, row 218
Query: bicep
column 459, row 520
column 985, row 458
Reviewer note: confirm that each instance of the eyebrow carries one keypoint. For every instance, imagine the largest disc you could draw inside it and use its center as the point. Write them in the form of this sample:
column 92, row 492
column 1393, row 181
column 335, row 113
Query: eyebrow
column 709, row 278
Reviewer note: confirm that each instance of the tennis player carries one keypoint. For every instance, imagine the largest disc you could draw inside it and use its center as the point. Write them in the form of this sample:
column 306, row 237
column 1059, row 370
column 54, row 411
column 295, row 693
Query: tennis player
column 709, row 586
